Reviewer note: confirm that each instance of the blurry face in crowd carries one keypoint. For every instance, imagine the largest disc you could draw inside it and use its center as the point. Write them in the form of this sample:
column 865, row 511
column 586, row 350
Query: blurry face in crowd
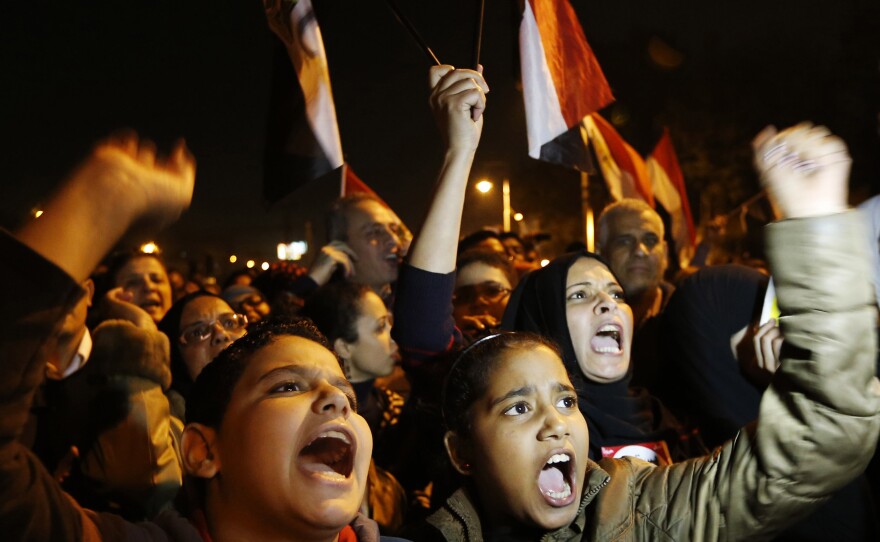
column 146, row 280
column 253, row 305
column 480, row 289
column 600, row 322
column 528, row 446
column 515, row 249
column 207, row 325
column 293, row 452
column 375, row 352
column 374, row 234
column 636, row 251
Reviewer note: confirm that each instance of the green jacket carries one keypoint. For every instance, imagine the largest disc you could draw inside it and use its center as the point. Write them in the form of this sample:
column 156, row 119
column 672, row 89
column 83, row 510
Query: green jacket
column 816, row 430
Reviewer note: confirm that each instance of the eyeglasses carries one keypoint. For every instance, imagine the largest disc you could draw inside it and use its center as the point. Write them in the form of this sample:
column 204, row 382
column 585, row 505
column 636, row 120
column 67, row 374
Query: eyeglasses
column 491, row 291
column 202, row 332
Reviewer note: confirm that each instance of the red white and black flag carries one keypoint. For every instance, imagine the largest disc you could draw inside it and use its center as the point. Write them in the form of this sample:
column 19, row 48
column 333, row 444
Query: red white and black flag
column 669, row 191
column 303, row 141
column 562, row 83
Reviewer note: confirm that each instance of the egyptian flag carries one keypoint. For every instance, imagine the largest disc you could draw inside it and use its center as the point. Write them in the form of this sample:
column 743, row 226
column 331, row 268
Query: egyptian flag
column 562, row 83
column 303, row 142
column 622, row 167
column 352, row 184
column 670, row 192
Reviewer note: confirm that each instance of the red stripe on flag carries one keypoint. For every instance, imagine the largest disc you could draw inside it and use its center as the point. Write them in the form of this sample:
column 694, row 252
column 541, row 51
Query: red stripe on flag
column 580, row 84
column 665, row 155
column 352, row 184
column 627, row 159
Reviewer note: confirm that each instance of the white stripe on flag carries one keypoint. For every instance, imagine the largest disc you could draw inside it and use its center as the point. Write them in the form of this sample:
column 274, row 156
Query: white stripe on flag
column 544, row 120
column 310, row 62
column 668, row 196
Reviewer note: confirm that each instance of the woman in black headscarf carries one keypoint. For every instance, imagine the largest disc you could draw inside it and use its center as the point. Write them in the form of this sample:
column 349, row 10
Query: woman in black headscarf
column 577, row 302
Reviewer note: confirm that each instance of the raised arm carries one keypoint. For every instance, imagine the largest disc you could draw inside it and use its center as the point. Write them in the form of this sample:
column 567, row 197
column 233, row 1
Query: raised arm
column 458, row 98
column 122, row 182
column 820, row 417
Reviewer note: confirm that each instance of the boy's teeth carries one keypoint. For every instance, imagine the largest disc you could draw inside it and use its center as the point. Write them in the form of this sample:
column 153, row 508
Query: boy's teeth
column 607, row 327
column 559, row 458
column 566, row 492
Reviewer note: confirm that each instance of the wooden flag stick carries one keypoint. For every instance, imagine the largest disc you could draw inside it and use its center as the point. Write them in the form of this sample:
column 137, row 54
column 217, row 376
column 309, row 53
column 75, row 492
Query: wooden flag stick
column 401, row 18
column 478, row 33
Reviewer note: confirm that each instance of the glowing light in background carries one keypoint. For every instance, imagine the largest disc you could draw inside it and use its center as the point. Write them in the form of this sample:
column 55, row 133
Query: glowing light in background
column 292, row 251
column 265, row 266
column 250, row 264
column 484, row 186
column 518, row 217
column 150, row 248
column 233, row 258
column 544, row 263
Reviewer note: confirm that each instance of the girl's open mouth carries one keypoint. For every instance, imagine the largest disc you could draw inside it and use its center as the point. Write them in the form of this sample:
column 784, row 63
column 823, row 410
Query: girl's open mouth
column 556, row 481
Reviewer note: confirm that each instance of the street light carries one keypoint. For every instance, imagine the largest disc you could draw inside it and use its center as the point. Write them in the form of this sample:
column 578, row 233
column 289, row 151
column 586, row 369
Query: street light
column 485, row 185
column 518, row 217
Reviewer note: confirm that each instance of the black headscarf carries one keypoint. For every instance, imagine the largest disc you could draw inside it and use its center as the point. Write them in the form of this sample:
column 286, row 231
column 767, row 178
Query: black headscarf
column 705, row 310
column 616, row 414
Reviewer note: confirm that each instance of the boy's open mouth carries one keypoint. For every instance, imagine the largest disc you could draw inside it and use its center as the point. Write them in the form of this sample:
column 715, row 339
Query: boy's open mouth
column 332, row 449
column 607, row 340
column 556, row 481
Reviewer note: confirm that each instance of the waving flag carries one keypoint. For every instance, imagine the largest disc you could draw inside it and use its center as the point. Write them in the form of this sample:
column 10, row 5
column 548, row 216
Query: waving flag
column 562, row 83
column 622, row 167
column 669, row 189
column 303, row 141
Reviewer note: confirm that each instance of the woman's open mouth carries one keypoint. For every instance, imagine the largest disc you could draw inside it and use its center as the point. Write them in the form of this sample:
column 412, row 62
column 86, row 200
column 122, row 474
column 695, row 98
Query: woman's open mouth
column 607, row 340
column 556, row 480
column 331, row 454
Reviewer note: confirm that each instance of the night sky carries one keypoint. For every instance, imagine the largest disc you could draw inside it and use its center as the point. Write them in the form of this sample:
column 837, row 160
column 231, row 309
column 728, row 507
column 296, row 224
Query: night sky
column 714, row 72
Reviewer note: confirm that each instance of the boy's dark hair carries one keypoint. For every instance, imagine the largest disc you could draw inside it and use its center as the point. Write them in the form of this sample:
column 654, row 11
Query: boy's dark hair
column 335, row 308
column 490, row 258
column 213, row 388
column 469, row 376
column 473, row 239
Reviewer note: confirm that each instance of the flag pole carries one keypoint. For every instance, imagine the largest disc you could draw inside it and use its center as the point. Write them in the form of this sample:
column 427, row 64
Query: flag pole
column 414, row 34
column 478, row 33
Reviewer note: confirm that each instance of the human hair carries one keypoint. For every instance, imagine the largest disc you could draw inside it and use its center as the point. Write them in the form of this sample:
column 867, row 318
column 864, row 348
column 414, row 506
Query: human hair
column 490, row 258
column 120, row 259
column 181, row 382
column 335, row 307
column 337, row 215
column 471, row 240
column 213, row 388
column 618, row 209
column 469, row 377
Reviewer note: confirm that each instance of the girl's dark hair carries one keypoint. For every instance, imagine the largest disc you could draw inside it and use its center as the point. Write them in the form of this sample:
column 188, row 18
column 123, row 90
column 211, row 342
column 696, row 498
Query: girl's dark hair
column 213, row 388
column 469, row 377
column 335, row 308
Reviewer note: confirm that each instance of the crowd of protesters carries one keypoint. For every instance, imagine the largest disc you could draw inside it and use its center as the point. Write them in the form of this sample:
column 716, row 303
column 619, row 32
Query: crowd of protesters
column 440, row 387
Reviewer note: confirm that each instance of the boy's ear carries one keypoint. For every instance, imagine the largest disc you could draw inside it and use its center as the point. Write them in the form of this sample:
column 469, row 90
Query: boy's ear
column 199, row 448
column 459, row 452
column 342, row 348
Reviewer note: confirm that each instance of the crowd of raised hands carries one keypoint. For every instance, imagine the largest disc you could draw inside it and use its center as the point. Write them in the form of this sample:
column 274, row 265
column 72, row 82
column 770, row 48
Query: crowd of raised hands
column 273, row 433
